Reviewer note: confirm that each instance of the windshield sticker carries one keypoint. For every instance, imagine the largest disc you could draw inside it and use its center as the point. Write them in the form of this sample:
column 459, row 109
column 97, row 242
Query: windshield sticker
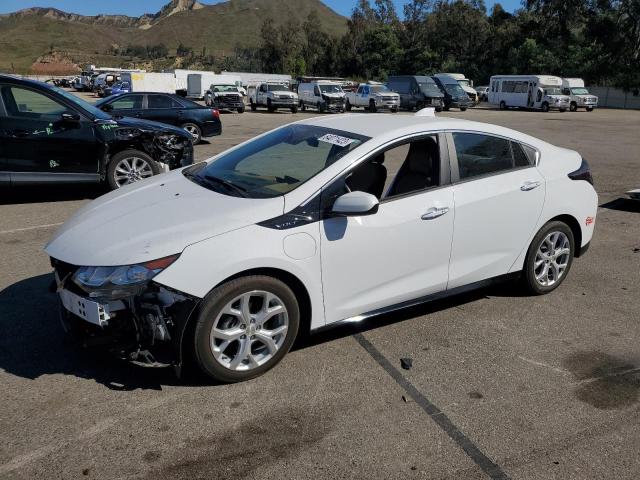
column 336, row 140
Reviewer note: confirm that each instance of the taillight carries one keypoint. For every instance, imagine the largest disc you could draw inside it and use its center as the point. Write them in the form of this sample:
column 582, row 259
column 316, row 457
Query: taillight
column 582, row 173
column 215, row 113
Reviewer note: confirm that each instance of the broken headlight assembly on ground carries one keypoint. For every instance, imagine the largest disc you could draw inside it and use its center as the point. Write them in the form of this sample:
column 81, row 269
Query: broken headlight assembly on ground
column 121, row 309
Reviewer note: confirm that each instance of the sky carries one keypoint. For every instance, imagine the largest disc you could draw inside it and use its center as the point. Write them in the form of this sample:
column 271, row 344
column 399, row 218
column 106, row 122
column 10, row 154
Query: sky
column 138, row 7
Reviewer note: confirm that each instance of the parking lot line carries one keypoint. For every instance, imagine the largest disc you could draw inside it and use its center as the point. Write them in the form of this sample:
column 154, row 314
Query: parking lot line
column 35, row 227
column 438, row 416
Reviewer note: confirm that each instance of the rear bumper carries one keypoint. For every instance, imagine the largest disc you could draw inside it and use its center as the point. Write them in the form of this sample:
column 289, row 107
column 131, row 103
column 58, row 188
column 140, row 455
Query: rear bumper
column 211, row 129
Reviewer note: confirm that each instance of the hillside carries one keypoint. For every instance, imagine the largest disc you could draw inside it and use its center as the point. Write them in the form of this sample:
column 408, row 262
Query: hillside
column 29, row 34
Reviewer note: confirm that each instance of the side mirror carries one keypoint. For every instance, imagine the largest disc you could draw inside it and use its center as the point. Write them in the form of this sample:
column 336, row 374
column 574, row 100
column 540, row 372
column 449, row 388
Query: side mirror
column 107, row 107
column 72, row 117
column 355, row 204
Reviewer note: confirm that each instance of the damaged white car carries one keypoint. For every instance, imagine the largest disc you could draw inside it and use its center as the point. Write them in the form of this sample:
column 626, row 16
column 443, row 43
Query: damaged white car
column 317, row 222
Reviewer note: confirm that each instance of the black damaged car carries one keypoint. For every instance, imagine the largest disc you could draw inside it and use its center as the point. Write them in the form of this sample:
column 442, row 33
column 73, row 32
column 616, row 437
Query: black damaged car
column 48, row 135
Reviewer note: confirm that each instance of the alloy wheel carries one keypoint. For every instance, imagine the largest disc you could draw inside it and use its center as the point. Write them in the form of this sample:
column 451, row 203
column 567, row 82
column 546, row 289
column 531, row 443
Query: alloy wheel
column 132, row 169
column 193, row 131
column 249, row 330
column 552, row 258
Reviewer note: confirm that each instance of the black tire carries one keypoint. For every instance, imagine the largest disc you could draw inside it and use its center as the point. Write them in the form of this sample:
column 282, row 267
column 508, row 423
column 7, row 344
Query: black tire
column 419, row 106
column 463, row 109
column 240, row 109
column 545, row 107
column 531, row 284
column 194, row 130
column 116, row 159
column 252, row 105
column 372, row 106
column 438, row 109
column 303, row 108
column 269, row 106
column 348, row 105
column 573, row 107
column 589, row 109
column 446, row 108
column 503, row 105
column 294, row 109
column 320, row 107
column 218, row 299
column 394, row 110
column 562, row 110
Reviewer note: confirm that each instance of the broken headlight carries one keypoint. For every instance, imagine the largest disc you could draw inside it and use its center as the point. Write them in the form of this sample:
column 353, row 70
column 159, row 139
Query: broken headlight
column 172, row 142
column 121, row 280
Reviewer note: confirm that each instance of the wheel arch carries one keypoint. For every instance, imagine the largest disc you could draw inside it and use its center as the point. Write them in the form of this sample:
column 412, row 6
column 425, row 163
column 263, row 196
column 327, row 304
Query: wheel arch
column 574, row 225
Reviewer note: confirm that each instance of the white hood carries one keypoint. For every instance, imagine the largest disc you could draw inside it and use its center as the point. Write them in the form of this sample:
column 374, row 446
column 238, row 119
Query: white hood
column 153, row 219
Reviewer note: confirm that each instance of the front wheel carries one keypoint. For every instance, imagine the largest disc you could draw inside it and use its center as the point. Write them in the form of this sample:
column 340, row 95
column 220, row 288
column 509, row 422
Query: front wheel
column 372, row 106
column 573, row 107
column 294, row 109
column 545, row 107
column 348, row 105
column 438, row 109
column 302, row 107
column 252, row 105
column 245, row 327
column 463, row 109
column 130, row 166
column 240, row 109
column 503, row 105
column 549, row 258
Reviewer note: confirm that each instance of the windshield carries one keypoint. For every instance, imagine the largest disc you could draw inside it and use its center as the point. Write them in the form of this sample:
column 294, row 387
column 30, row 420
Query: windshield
column 380, row 89
column 580, row 91
column 464, row 83
column 454, row 89
column 552, row 91
column 225, row 88
column 96, row 112
column 330, row 88
column 272, row 87
column 276, row 163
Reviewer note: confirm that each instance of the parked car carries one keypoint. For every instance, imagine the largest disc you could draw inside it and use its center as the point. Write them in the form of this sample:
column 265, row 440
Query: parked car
column 321, row 221
column 323, row 95
column 416, row 92
column 272, row 96
column 579, row 96
column 483, row 93
column 454, row 94
column 224, row 97
column 117, row 88
column 198, row 120
column 372, row 96
column 52, row 136
column 466, row 84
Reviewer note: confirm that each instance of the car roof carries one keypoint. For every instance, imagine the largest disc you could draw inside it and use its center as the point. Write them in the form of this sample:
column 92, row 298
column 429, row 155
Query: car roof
column 24, row 81
column 391, row 126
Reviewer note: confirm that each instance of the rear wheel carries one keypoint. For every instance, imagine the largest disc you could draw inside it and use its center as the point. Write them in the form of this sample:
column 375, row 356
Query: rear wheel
column 463, row 109
column 294, row 109
column 245, row 327
column 240, row 109
column 194, row 131
column 348, row 105
column 252, row 105
column 549, row 258
column 589, row 109
column 270, row 107
column 130, row 166
column 503, row 105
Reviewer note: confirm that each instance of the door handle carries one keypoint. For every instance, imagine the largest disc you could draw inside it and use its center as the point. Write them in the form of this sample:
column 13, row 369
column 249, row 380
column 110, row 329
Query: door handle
column 526, row 186
column 434, row 212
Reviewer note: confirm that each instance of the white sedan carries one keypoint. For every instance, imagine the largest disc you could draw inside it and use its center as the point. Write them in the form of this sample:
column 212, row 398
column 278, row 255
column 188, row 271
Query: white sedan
column 317, row 222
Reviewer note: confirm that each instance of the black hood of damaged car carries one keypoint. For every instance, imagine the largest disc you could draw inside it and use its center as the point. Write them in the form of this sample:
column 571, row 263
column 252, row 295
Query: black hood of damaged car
column 150, row 126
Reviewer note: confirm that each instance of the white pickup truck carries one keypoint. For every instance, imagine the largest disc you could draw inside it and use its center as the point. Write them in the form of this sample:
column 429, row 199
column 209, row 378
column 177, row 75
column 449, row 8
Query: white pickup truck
column 373, row 96
column 272, row 96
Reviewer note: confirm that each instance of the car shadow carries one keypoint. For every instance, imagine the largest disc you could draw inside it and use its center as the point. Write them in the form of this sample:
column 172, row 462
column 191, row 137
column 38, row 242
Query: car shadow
column 33, row 343
column 50, row 193
column 623, row 205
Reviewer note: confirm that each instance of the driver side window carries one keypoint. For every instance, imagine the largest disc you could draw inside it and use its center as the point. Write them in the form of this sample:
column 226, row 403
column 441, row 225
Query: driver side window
column 25, row 103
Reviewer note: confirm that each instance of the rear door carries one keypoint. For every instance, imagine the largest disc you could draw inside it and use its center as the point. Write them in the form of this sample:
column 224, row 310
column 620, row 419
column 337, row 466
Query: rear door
column 164, row 109
column 39, row 145
column 499, row 195
column 5, row 177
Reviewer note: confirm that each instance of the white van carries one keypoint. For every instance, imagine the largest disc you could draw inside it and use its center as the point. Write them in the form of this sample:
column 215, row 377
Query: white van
column 579, row 96
column 535, row 92
column 324, row 95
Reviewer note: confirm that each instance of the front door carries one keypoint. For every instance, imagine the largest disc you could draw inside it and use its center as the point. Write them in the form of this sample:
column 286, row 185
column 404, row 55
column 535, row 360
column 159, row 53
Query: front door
column 40, row 145
column 399, row 253
column 498, row 199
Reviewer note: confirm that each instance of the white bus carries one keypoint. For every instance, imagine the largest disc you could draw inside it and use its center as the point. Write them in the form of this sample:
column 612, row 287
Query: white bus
column 535, row 92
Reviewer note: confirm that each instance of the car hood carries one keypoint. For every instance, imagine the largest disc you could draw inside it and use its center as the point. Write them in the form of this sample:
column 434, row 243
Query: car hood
column 149, row 125
column 153, row 219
